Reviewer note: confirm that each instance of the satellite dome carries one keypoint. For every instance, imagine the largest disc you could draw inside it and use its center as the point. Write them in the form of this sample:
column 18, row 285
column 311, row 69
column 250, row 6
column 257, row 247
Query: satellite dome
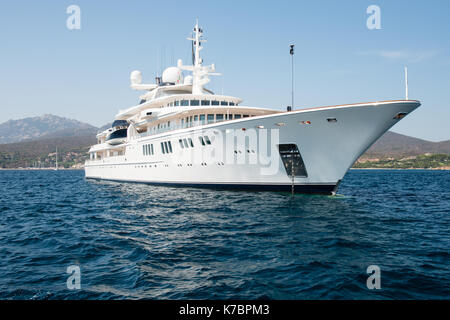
column 136, row 77
column 188, row 80
column 172, row 75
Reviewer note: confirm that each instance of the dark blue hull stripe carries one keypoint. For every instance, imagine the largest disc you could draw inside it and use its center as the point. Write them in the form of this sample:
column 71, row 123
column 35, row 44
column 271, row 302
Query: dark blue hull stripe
column 298, row 188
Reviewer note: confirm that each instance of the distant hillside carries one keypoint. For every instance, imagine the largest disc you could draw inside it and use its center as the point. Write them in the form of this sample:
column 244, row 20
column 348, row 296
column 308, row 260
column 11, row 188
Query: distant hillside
column 41, row 153
column 43, row 127
column 395, row 145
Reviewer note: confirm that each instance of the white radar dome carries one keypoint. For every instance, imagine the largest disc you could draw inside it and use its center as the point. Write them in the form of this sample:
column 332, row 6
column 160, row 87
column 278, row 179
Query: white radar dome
column 136, row 77
column 188, row 80
column 172, row 75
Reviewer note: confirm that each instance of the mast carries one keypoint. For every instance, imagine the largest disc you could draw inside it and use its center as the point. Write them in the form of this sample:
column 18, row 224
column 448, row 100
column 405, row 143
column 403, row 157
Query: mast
column 406, row 83
column 200, row 73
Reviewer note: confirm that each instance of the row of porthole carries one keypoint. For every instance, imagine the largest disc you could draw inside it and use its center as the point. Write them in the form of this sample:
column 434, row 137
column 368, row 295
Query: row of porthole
column 145, row 166
column 248, row 151
column 281, row 124
column 187, row 165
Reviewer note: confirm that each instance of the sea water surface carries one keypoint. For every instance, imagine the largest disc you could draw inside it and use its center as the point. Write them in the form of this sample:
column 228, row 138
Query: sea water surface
column 135, row 241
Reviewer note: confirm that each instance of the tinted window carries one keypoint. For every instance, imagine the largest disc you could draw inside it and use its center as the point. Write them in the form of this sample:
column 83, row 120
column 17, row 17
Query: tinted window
column 237, row 116
column 219, row 117
column 181, row 143
column 223, row 103
column 185, row 143
column 231, row 103
column 184, row 103
column 162, row 148
column 207, row 140
column 210, row 118
column 191, row 143
column 121, row 133
column 215, row 103
column 246, row 116
column 177, row 103
column 201, row 141
column 202, row 118
column 206, row 102
column 170, row 146
column 195, row 102
column 195, row 118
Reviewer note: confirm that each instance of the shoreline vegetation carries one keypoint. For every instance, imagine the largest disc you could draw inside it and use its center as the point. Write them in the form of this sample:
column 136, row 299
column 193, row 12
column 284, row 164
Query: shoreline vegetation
column 424, row 161
column 352, row 168
column 421, row 162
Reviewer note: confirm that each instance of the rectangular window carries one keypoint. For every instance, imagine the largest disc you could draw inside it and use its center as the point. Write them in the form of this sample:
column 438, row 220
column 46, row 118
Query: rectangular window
column 170, row 146
column 195, row 102
column 237, row 116
column 177, row 103
column 171, row 104
column 181, row 143
column 214, row 103
column 202, row 119
column 206, row 102
column 191, row 143
column 162, row 148
column 185, row 143
column 201, row 140
column 207, row 140
column 143, row 149
column 231, row 104
column 210, row 118
column 219, row 117
column 184, row 103
column 246, row 116
column 223, row 103
column 195, row 118
column 151, row 148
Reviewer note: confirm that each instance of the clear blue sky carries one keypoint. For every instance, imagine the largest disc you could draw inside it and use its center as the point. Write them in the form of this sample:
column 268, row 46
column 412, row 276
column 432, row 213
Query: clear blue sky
column 84, row 74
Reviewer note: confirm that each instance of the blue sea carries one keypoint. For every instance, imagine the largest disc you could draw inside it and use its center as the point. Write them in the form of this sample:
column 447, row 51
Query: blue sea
column 135, row 241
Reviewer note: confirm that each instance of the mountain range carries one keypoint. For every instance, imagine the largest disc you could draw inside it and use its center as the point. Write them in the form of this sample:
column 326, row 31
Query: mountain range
column 43, row 127
column 33, row 140
column 395, row 145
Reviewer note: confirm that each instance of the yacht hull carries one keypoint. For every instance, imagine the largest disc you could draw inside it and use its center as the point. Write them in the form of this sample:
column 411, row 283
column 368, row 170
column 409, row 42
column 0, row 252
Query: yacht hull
column 329, row 141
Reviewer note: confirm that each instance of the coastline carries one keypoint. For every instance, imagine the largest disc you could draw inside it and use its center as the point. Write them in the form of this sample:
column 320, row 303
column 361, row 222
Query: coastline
column 74, row 169
column 39, row 169
column 430, row 169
